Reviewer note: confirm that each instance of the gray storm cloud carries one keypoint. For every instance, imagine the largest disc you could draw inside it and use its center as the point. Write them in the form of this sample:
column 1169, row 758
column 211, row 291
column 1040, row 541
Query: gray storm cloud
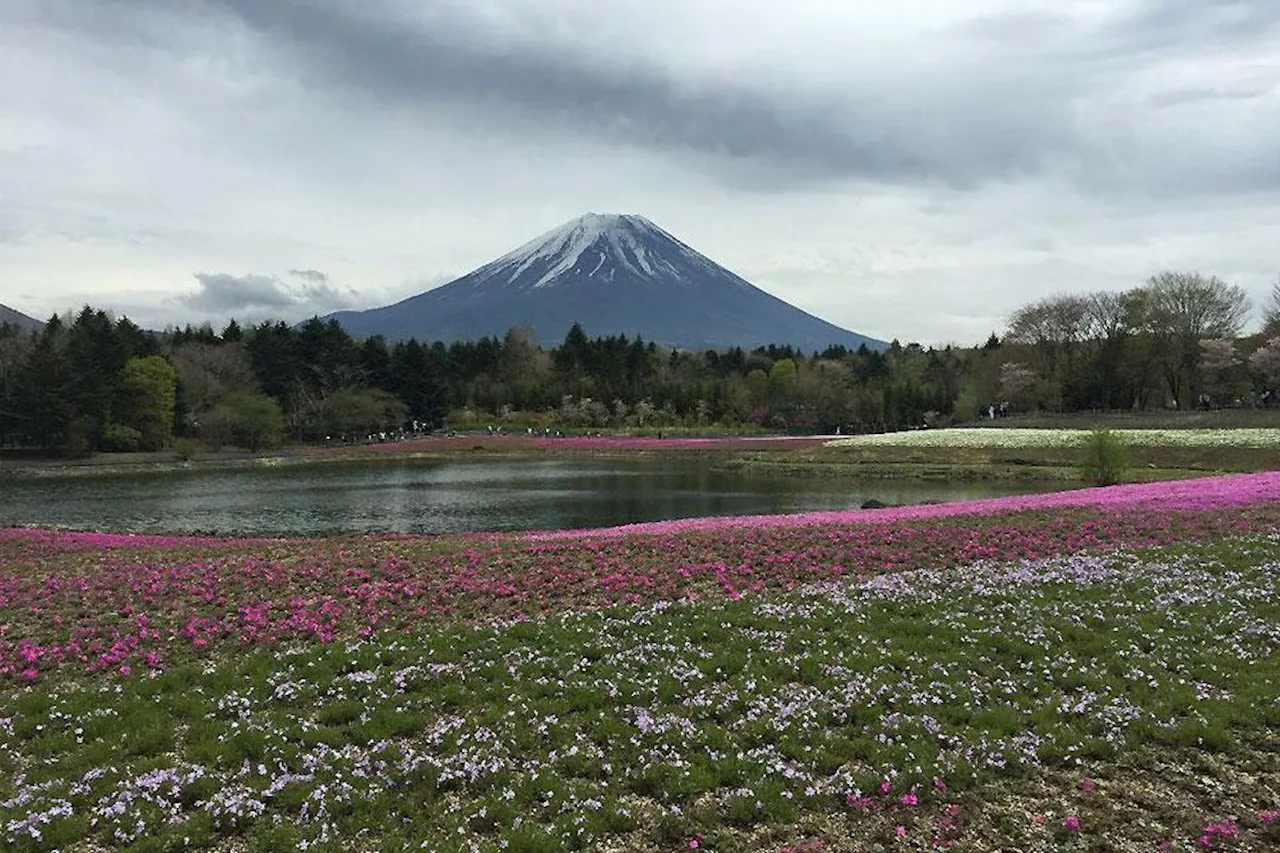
column 1004, row 97
column 944, row 134
column 223, row 293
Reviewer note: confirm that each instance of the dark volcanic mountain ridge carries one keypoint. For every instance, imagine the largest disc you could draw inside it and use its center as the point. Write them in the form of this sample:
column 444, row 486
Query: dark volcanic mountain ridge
column 14, row 317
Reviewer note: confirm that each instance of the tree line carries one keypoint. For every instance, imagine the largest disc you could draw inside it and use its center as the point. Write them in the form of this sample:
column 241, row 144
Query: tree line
column 94, row 383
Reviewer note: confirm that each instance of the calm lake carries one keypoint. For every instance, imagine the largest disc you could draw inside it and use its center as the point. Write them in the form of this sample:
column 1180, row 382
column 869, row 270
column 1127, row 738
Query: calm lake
column 439, row 497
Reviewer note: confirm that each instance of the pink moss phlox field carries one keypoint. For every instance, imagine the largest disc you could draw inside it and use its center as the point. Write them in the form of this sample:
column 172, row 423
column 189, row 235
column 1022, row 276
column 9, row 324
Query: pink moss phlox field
column 1204, row 493
column 108, row 604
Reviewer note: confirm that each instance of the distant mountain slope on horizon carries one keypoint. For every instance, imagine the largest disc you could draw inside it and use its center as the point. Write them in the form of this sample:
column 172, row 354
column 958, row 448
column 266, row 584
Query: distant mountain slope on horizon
column 615, row 275
column 13, row 317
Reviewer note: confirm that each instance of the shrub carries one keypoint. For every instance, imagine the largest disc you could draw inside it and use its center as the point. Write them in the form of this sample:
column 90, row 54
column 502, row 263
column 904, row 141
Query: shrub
column 184, row 449
column 252, row 421
column 118, row 438
column 1103, row 458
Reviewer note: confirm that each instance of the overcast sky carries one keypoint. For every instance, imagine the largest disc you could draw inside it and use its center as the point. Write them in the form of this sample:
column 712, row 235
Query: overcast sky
column 910, row 170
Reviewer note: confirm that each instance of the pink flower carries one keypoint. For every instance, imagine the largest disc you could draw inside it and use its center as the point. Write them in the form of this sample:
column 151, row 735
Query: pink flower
column 885, row 787
column 1072, row 822
column 900, row 831
column 1088, row 786
column 1225, row 829
column 909, row 799
column 124, row 670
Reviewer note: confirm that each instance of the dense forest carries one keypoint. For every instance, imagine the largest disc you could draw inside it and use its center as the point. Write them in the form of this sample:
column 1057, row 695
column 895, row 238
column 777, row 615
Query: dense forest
column 91, row 382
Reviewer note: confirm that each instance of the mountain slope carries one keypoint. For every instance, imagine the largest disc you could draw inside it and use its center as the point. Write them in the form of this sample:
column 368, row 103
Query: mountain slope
column 614, row 274
column 17, row 318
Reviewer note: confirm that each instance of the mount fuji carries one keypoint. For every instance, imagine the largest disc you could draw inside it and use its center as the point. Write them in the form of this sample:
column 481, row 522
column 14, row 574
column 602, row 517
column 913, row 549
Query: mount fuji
column 616, row 275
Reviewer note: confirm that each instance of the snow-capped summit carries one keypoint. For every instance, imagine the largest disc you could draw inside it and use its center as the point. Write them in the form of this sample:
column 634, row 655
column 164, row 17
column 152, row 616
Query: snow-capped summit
column 614, row 274
column 598, row 245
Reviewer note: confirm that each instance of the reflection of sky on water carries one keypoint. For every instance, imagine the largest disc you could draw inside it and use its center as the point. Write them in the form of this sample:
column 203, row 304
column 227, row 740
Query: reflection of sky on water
column 433, row 497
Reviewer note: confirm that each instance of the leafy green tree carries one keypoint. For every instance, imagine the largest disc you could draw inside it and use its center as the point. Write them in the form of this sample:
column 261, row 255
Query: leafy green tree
column 375, row 364
column 95, row 356
column 329, row 359
column 147, row 398
column 44, row 388
column 570, row 359
column 417, row 374
column 15, row 347
column 272, row 350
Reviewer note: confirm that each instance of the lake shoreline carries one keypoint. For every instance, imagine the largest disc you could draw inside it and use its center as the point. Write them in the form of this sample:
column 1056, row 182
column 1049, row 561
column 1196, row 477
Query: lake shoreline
column 444, row 449
column 796, row 456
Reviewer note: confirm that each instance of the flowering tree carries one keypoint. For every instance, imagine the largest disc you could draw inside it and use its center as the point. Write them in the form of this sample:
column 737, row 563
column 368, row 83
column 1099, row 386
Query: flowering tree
column 1218, row 362
column 1016, row 380
column 1266, row 362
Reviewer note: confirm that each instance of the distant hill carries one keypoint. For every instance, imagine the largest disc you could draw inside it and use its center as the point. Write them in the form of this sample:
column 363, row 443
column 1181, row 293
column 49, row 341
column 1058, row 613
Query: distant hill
column 17, row 318
column 616, row 275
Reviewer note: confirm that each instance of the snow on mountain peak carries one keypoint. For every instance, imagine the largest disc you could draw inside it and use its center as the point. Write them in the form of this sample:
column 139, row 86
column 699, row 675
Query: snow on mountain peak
column 628, row 240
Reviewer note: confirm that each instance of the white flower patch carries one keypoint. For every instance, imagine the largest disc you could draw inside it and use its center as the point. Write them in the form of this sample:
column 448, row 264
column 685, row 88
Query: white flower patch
column 1020, row 438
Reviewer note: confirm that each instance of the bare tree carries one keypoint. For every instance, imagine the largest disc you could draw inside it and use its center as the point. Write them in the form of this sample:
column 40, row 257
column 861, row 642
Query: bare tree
column 1182, row 309
column 1190, row 306
column 1109, row 314
column 1271, row 313
column 1061, row 319
column 209, row 371
column 1053, row 329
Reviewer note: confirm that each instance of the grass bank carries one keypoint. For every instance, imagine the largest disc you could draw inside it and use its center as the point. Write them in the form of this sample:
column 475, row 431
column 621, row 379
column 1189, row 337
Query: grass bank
column 441, row 448
column 1146, row 464
column 1026, row 453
